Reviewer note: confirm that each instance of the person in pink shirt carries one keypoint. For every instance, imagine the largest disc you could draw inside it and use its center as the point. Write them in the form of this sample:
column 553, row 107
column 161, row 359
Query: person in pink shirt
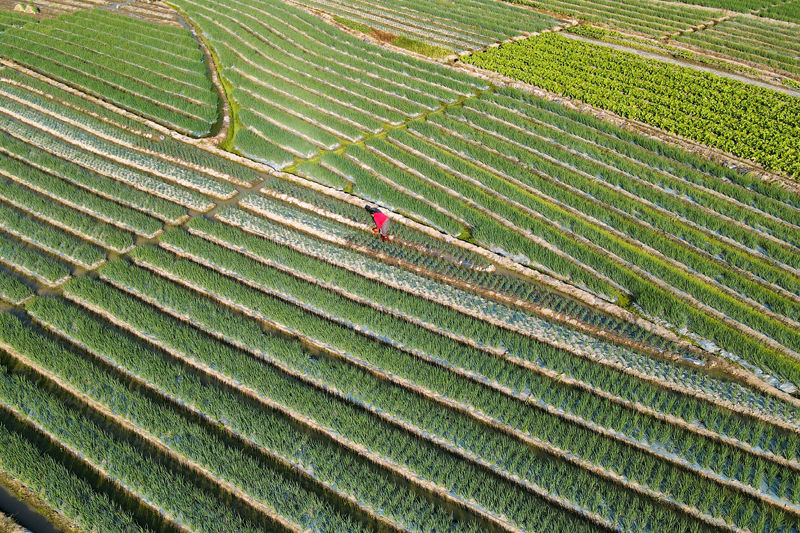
column 381, row 222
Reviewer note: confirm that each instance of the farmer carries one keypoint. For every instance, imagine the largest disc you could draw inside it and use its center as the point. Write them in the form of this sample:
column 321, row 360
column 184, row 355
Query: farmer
column 381, row 222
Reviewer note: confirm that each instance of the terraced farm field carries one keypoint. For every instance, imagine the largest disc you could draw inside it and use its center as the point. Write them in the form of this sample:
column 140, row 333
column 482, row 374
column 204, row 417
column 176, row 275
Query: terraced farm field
column 576, row 324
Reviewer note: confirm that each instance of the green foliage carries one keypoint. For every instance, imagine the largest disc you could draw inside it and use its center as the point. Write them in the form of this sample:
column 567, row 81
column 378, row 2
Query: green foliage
column 744, row 6
column 746, row 120
column 420, row 47
column 435, row 28
column 11, row 289
column 657, row 19
column 787, row 11
column 91, row 50
column 60, row 488
column 50, row 239
column 760, row 41
column 31, row 263
column 363, row 28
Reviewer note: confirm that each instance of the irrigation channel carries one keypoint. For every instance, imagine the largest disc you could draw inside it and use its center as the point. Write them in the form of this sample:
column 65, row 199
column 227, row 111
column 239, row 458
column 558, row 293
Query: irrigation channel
column 24, row 514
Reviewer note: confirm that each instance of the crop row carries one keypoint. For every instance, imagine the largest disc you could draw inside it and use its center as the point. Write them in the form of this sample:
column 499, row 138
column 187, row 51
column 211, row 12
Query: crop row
column 147, row 100
column 59, row 487
column 700, row 180
column 176, row 40
column 642, row 16
column 760, row 42
column 279, row 439
column 693, row 202
column 63, row 217
column 103, row 54
column 397, row 24
column 439, row 22
column 79, row 199
column 51, row 240
column 447, row 288
column 495, row 224
column 156, row 96
column 342, row 46
column 131, row 158
column 511, row 377
column 324, row 84
column 11, row 289
column 400, row 74
column 766, row 123
column 171, row 491
column 454, row 263
column 195, row 86
column 58, row 113
column 187, row 63
column 738, row 270
column 463, row 188
column 83, row 180
column 379, row 188
column 123, row 130
column 10, row 19
column 705, row 254
column 381, row 104
column 501, row 413
column 105, row 167
column 331, row 411
column 676, row 378
column 788, row 12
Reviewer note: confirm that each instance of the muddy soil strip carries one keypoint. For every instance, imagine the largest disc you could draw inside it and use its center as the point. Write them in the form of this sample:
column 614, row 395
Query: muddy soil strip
column 431, row 395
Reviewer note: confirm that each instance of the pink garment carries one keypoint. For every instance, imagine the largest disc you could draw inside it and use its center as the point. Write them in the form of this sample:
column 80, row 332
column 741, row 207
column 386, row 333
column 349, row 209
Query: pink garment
column 379, row 219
